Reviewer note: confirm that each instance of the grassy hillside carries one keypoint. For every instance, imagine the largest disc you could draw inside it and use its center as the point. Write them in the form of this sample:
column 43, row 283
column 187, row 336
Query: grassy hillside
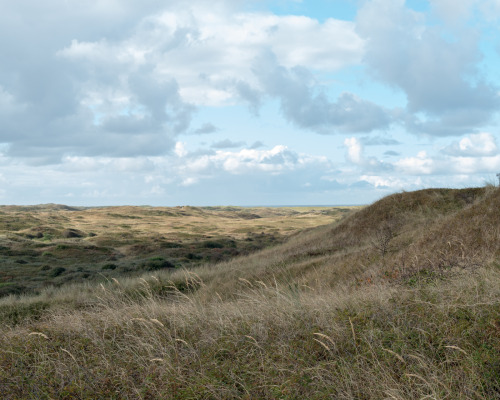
column 400, row 300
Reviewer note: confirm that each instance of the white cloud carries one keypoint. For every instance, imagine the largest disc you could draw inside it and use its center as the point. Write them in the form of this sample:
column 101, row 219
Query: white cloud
column 384, row 181
column 355, row 155
column 189, row 181
column 246, row 161
column 435, row 67
column 419, row 165
column 304, row 41
column 307, row 108
column 180, row 149
column 114, row 78
column 208, row 52
column 474, row 145
column 474, row 165
column 275, row 160
column 354, row 150
column 474, row 155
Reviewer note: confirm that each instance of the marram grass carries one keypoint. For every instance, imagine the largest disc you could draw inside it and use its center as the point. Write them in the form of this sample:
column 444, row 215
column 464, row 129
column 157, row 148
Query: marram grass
column 326, row 315
column 441, row 341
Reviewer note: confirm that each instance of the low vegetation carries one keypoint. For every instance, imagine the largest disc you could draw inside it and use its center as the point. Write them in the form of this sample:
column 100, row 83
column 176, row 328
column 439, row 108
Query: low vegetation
column 54, row 245
column 399, row 300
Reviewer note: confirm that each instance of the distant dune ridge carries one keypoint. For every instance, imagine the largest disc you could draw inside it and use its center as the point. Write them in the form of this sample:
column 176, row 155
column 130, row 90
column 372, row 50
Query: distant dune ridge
column 396, row 300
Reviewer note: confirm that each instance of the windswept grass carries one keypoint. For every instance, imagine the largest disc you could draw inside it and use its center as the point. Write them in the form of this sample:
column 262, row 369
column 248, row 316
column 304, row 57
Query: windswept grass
column 281, row 341
column 325, row 315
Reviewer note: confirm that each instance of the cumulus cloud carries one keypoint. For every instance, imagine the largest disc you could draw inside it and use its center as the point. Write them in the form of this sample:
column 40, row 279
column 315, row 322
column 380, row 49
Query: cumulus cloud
column 422, row 164
column 115, row 78
column 354, row 150
column 355, row 155
column 434, row 67
column 474, row 145
column 383, row 181
column 473, row 155
column 275, row 160
column 209, row 50
column 312, row 110
column 63, row 96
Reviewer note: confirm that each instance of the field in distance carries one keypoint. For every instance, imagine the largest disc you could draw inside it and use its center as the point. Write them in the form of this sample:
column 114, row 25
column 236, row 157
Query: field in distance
column 56, row 244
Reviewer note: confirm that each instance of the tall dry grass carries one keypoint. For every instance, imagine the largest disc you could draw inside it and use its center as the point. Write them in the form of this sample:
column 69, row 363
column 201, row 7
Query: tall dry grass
column 325, row 315
column 279, row 341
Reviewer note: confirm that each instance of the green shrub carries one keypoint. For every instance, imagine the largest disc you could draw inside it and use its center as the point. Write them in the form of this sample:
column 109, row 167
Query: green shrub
column 212, row 245
column 8, row 288
column 156, row 263
column 20, row 312
column 57, row 271
column 192, row 256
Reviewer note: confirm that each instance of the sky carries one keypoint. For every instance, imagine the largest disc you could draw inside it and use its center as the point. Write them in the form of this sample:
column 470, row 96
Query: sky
column 246, row 102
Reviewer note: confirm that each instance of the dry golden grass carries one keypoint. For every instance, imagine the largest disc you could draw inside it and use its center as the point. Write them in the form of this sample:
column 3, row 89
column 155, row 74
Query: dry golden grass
column 325, row 315
column 374, row 342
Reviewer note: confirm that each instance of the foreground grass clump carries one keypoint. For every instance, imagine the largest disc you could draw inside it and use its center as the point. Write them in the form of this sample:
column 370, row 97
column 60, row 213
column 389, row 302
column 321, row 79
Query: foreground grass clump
column 435, row 341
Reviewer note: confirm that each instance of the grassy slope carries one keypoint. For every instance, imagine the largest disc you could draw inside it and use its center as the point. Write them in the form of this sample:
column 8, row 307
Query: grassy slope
column 400, row 300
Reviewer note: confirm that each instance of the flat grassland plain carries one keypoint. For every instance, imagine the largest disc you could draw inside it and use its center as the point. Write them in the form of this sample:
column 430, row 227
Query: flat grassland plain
column 56, row 244
column 396, row 300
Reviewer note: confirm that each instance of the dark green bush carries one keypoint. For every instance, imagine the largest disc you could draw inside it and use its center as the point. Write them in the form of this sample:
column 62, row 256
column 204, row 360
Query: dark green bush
column 192, row 256
column 156, row 263
column 8, row 288
column 57, row 271
column 212, row 245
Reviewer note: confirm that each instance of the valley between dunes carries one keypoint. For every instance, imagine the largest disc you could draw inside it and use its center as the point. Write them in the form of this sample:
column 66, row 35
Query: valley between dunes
column 396, row 300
